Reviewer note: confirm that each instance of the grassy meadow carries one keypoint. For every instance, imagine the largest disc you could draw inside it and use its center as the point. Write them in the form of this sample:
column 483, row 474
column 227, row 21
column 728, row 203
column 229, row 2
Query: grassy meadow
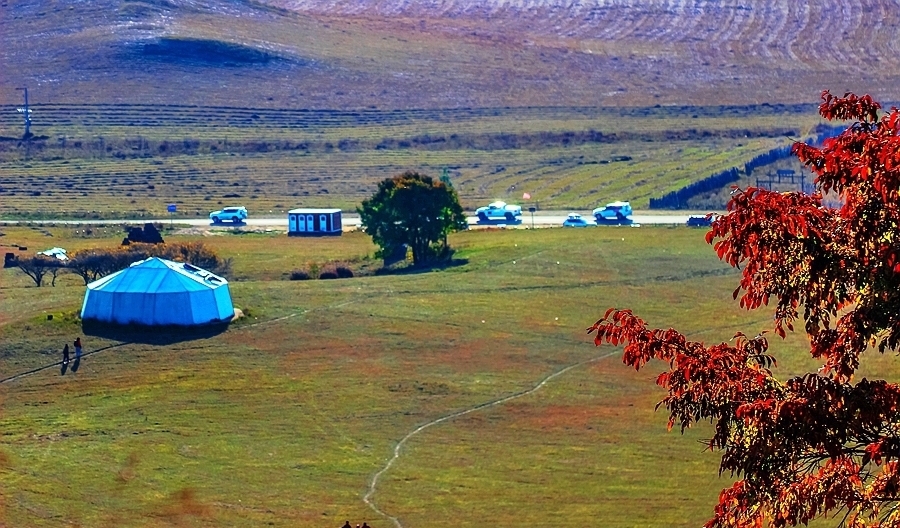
column 284, row 419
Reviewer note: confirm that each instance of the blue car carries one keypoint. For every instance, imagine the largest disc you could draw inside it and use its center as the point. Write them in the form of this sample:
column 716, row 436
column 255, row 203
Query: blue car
column 699, row 221
column 576, row 220
column 236, row 215
column 615, row 213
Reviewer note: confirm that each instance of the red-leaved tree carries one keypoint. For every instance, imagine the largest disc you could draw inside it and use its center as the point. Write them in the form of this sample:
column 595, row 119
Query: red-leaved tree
column 824, row 443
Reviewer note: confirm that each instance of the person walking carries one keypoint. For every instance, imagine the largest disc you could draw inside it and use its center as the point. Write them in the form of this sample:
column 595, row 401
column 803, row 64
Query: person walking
column 346, row 525
column 77, row 348
column 65, row 360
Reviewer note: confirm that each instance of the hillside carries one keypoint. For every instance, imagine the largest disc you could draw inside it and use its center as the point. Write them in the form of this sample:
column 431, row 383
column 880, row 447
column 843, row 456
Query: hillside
column 450, row 53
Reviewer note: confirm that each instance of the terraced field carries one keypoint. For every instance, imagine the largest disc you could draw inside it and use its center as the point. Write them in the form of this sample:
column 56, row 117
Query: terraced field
column 452, row 53
column 779, row 31
column 676, row 50
column 94, row 161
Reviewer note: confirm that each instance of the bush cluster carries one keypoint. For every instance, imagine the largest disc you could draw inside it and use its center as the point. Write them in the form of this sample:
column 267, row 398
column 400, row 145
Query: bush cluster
column 92, row 264
column 329, row 271
column 299, row 275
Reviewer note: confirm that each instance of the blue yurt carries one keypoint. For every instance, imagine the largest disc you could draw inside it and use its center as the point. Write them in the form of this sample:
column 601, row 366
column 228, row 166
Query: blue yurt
column 155, row 292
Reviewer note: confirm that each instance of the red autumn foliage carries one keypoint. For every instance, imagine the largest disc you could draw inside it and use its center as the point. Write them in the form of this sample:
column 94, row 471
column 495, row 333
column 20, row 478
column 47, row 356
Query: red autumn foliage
column 820, row 444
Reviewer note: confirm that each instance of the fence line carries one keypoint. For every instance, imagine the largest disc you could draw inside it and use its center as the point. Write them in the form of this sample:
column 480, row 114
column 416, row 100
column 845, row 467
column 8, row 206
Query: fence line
column 678, row 199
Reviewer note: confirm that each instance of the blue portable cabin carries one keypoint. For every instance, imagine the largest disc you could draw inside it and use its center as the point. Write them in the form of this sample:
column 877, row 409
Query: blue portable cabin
column 314, row 222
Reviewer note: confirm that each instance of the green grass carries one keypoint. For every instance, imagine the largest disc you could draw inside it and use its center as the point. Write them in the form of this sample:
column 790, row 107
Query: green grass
column 284, row 418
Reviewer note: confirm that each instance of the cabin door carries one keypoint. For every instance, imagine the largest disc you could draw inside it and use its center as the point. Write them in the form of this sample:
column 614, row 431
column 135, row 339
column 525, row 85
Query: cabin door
column 309, row 223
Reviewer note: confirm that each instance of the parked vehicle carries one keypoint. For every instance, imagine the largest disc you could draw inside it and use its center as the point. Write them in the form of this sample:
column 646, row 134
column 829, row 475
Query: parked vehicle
column 614, row 213
column 700, row 220
column 576, row 220
column 499, row 211
column 229, row 214
column 57, row 252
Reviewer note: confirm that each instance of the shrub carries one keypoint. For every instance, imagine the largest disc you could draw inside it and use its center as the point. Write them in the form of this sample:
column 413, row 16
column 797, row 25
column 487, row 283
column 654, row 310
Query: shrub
column 328, row 275
column 343, row 272
column 197, row 254
column 299, row 275
column 149, row 234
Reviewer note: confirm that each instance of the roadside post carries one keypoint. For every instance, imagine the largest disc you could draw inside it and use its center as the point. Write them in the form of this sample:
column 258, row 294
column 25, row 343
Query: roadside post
column 531, row 209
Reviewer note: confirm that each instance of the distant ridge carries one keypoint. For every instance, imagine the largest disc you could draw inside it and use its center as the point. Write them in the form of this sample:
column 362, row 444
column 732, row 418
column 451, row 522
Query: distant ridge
column 447, row 53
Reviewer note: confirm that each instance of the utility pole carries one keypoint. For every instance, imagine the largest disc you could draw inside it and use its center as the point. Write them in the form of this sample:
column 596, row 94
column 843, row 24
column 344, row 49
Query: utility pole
column 27, row 112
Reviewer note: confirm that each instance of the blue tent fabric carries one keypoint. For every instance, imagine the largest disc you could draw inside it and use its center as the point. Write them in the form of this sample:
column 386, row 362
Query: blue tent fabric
column 157, row 292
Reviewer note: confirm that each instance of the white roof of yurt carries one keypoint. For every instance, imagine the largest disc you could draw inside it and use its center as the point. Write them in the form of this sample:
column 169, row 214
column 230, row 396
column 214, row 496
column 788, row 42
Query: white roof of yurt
column 156, row 291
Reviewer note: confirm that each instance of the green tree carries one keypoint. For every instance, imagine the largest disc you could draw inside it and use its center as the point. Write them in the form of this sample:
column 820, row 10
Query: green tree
column 412, row 209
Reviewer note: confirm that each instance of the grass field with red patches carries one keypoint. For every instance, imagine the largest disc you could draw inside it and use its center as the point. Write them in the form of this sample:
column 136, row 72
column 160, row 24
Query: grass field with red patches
column 285, row 418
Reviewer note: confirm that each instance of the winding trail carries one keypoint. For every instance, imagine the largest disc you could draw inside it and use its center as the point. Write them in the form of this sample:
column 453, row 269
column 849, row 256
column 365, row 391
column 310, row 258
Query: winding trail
column 367, row 498
column 295, row 314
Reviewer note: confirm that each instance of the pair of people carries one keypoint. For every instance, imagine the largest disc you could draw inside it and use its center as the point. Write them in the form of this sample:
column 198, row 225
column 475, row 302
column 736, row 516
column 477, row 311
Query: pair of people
column 347, row 525
column 65, row 360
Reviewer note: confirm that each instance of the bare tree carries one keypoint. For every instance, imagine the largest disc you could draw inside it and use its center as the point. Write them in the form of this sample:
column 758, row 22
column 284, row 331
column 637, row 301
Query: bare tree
column 54, row 271
column 91, row 264
column 38, row 266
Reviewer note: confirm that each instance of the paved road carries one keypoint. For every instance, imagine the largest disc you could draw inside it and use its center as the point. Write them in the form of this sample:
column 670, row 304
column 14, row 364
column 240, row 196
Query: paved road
column 350, row 221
